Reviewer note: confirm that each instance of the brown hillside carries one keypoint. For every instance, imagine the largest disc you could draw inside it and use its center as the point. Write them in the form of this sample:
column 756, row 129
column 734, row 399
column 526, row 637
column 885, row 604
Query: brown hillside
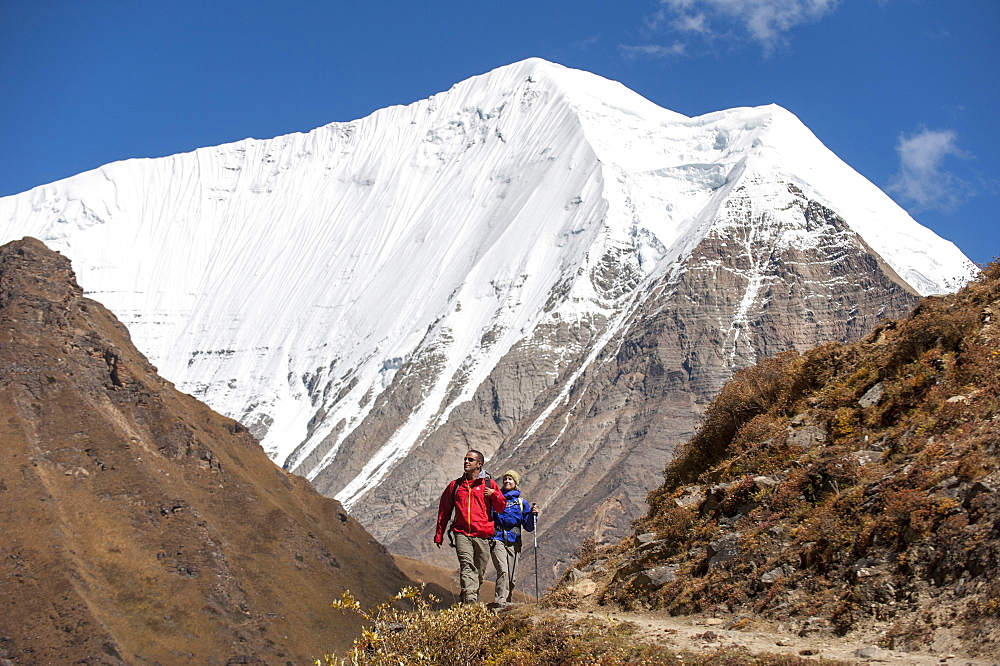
column 850, row 488
column 138, row 525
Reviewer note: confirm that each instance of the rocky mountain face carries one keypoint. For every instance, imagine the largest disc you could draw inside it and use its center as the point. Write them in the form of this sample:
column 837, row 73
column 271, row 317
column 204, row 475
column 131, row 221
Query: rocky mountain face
column 852, row 487
column 138, row 525
column 537, row 263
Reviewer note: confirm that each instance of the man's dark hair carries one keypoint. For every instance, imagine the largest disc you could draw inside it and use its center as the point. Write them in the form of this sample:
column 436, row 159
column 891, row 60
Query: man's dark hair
column 479, row 456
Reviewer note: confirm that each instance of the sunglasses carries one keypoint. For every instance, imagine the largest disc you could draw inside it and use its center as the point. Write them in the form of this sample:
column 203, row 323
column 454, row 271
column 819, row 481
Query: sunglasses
column 471, row 460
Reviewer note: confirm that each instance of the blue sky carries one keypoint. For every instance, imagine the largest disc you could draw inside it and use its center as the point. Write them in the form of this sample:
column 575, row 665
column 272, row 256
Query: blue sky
column 905, row 91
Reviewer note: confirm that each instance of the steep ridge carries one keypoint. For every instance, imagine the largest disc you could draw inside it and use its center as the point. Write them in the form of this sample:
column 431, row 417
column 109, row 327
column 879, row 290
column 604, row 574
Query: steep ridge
column 372, row 297
column 138, row 525
column 852, row 488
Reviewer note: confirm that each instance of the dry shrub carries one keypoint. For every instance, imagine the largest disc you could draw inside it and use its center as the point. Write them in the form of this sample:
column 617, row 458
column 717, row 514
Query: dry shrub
column 749, row 393
column 907, row 636
column 737, row 496
column 759, row 447
column 457, row 635
column 672, row 524
column 936, row 324
column 976, row 464
column 986, row 606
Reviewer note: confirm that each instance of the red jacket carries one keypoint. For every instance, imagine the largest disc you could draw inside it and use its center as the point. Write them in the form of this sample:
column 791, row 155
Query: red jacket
column 469, row 504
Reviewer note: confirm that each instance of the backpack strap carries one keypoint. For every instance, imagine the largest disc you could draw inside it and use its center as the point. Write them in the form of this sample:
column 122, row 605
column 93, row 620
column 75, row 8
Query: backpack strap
column 454, row 515
column 517, row 527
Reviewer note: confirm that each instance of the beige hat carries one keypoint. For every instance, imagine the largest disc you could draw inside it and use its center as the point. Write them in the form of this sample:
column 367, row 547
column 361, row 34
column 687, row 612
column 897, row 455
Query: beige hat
column 514, row 475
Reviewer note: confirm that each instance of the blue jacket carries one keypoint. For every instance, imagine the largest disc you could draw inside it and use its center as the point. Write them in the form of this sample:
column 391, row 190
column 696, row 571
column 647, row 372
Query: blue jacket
column 516, row 514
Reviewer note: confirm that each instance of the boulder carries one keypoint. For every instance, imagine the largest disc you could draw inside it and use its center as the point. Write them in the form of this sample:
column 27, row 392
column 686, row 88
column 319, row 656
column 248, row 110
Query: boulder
column 583, row 587
column 723, row 549
column 871, row 652
column 776, row 573
column 872, row 396
column 691, row 498
column 807, row 437
column 657, row 577
column 866, row 457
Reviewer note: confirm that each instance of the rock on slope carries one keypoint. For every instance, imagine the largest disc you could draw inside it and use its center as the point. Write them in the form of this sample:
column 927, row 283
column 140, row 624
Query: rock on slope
column 138, row 525
column 853, row 487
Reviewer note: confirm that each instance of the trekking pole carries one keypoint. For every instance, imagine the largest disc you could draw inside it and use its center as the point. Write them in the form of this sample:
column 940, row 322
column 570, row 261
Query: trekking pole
column 535, row 535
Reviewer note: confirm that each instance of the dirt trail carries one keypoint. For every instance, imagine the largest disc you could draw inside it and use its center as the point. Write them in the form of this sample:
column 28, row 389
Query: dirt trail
column 697, row 634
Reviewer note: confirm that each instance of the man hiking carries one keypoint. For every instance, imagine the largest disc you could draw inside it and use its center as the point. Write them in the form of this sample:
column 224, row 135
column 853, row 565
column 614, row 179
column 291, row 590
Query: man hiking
column 474, row 498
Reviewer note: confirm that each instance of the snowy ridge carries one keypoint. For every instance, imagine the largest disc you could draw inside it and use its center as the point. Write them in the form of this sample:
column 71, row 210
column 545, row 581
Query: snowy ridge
column 285, row 281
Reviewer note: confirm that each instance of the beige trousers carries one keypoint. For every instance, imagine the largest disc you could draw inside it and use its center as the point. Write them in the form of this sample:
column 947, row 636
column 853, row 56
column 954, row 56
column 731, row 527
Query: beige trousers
column 505, row 562
column 473, row 556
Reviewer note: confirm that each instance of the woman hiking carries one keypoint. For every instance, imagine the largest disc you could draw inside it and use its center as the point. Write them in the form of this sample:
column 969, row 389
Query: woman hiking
column 506, row 547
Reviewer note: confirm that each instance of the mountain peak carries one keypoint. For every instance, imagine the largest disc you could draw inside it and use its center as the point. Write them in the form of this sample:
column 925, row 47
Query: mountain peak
column 31, row 273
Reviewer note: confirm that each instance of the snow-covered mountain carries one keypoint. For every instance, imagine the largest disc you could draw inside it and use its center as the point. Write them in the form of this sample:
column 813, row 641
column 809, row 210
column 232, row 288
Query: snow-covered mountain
column 373, row 297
